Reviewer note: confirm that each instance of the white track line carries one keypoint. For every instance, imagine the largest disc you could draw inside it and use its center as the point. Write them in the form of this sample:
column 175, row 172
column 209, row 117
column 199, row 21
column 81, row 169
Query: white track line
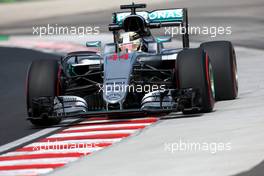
column 27, row 139
column 25, row 172
column 61, row 135
column 39, row 160
column 31, row 137
column 70, row 150
column 87, row 141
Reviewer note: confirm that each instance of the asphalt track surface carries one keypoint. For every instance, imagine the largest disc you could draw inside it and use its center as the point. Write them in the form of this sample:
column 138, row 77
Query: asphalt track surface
column 246, row 19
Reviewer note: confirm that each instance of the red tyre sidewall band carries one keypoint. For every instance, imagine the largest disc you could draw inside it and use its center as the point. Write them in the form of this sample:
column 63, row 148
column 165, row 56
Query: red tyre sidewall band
column 211, row 99
column 58, row 84
column 27, row 84
column 234, row 70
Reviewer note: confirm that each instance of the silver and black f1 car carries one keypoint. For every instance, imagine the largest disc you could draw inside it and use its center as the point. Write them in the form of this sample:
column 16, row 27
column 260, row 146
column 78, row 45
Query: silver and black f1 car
column 135, row 73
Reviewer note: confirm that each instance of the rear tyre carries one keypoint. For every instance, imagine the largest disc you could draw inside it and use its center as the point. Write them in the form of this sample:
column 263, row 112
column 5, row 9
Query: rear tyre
column 223, row 59
column 42, row 81
column 194, row 71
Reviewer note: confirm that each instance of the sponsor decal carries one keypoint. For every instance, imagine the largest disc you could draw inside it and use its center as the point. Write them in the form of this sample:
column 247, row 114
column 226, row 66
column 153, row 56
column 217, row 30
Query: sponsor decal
column 155, row 16
column 166, row 15
column 115, row 57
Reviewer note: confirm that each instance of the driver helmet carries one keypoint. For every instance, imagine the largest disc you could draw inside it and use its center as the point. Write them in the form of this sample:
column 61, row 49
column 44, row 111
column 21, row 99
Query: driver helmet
column 129, row 41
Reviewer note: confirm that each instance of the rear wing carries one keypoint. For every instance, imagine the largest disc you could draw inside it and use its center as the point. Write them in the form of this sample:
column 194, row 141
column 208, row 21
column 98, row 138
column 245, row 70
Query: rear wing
column 156, row 18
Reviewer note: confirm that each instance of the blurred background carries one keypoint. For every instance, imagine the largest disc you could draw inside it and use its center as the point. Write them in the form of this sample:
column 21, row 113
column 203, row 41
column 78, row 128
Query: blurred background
column 246, row 18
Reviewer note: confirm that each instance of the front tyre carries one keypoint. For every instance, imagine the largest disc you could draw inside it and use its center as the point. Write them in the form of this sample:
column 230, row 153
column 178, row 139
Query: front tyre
column 42, row 81
column 194, row 71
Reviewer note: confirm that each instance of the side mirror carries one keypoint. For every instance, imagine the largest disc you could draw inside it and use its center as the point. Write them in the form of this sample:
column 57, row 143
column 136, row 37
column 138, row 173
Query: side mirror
column 94, row 44
column 163, row 39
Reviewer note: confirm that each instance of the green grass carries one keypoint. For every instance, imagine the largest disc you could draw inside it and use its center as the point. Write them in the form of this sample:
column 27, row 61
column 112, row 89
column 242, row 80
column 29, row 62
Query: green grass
column 4, row 37
column 7, row 1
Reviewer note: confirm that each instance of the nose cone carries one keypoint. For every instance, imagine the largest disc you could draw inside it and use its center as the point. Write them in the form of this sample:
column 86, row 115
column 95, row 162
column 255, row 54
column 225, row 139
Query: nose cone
column 117, row 70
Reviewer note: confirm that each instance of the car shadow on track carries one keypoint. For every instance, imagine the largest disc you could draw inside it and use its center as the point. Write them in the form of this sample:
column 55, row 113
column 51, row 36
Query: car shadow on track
column 180, row 116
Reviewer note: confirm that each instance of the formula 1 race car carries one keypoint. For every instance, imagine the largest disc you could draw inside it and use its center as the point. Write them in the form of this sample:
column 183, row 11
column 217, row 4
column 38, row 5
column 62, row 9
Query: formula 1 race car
column 134, row 73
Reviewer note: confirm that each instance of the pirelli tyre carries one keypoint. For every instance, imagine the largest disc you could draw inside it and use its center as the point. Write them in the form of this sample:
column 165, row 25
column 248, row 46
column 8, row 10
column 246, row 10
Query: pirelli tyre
column 193, row 70
column 223, row 58
column 42, row 81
